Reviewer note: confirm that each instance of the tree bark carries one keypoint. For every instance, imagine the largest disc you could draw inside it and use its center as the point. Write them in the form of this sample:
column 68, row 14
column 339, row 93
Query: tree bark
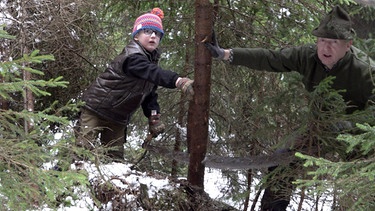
column 198, row 114
column 28, row 96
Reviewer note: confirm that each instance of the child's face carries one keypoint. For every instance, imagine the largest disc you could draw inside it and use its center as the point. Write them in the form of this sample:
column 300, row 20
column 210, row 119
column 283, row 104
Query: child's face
column 149, row 39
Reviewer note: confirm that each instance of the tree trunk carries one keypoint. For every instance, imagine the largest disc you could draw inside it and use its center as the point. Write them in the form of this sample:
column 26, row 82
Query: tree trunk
column 28, row 96
column 198, row 115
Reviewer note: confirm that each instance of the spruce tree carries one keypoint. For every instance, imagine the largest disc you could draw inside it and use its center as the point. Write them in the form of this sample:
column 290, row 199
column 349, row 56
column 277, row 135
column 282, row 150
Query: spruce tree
column 27, row 182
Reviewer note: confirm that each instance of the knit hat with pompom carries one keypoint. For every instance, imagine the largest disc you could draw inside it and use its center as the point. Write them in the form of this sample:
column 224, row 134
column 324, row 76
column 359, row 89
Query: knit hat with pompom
column 152, row 20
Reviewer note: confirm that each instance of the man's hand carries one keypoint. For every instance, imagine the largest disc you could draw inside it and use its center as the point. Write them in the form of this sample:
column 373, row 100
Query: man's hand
column 156, row 126
column 186, row 85
column 214, row 48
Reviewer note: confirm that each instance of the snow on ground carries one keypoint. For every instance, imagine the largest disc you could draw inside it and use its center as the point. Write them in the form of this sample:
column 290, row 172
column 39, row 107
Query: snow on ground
column 125, row 178
column 131, row 180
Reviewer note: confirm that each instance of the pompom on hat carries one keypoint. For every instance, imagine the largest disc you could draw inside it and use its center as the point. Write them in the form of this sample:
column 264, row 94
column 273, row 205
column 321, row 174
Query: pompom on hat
column 152, row 20
column 335, row 25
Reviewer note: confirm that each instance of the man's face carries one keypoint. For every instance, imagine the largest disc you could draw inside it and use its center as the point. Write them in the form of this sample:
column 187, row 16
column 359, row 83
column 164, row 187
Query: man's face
column 330, row 51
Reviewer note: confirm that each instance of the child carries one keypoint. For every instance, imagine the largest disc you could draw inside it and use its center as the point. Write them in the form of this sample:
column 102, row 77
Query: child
column 129, row 82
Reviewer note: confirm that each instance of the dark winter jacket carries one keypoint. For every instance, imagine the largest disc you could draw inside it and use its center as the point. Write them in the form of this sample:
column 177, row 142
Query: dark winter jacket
column 130, row 81
column 354, row 73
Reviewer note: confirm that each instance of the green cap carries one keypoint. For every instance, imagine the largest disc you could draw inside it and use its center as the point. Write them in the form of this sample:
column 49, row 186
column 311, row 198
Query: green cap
column 335, row 25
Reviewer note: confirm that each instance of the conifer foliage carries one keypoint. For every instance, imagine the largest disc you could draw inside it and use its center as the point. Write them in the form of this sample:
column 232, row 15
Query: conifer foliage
column 250, row 112
column 25, row 182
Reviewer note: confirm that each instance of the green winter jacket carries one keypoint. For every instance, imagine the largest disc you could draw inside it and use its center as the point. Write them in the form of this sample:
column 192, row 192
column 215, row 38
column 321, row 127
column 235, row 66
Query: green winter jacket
column 353, row 73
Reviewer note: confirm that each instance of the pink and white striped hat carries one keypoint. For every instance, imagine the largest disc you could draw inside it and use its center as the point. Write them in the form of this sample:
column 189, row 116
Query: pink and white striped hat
column 152, row 20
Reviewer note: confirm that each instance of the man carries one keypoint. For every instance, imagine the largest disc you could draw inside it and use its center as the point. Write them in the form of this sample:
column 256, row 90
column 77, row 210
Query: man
column 332, row 55
column 129, row 82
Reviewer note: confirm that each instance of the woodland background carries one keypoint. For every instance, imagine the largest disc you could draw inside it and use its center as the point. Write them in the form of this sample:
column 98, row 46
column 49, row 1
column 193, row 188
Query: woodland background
column 52, row 50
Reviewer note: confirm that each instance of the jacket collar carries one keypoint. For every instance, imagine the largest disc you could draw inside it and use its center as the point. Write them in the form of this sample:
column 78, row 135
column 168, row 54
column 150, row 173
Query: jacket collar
column 138, row 48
